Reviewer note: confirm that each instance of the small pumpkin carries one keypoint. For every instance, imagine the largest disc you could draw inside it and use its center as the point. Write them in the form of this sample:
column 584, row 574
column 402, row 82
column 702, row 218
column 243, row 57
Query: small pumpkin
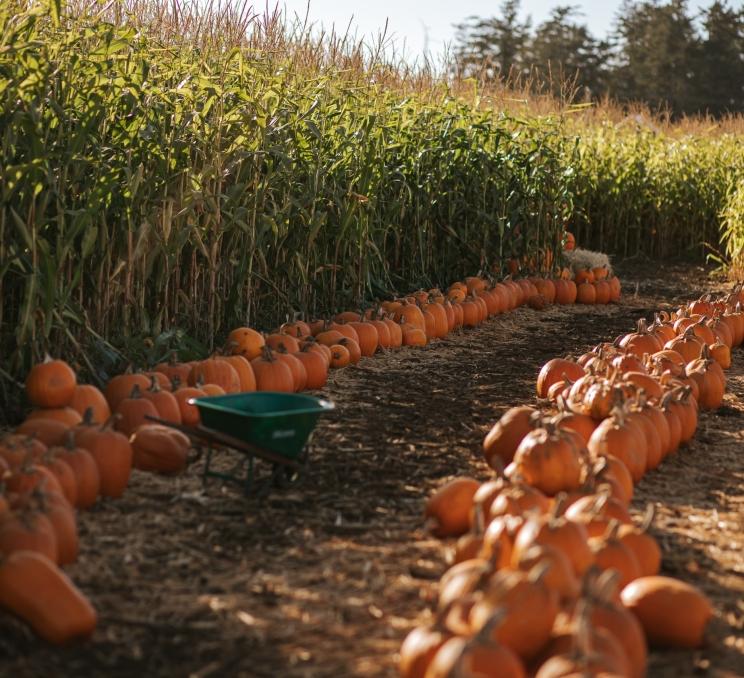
column 246, row 342
column 159, row 449
column 448, row 508
column 87, row 397
column 51, row 384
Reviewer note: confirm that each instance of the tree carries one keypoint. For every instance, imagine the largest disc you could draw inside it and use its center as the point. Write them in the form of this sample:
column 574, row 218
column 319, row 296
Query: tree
column 721, row 60
column 564, row 51
column 494, row 46
column 657, row 55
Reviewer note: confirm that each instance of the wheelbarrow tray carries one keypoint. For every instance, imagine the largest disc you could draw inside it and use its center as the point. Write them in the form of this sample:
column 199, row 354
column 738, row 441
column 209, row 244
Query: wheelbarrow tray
column 277, row 422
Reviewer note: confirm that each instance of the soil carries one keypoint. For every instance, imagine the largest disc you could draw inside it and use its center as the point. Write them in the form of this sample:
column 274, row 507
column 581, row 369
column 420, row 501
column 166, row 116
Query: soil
column 327, row 576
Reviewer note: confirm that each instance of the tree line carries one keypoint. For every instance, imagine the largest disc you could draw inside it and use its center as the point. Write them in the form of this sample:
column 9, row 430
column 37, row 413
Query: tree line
column 660, row 53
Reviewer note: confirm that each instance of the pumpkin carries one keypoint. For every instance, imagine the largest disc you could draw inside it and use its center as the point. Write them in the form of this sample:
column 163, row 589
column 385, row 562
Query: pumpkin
column 340, row 356
column 61, row 516
column 61, row 614
column 529, row 608
column 297, row 367
column 346, row 330
column 111, row 453
column 605, row 613
column 87, row 397
column 565, row 292
column 586, row 293
column 316, row 367
column 419, row 648
column 174, row 370
column 396, row 333
column 671, row 612
column 687, row 345
column 189, row 412
column 246, row 342
column 642, row 544
column 160, row 449
column 721, row 354
column 642, row 341
column 710, row 379
column 132, row 412
column 553, row 530
column 29, row 476
column 596, row 511
column 329, row 337
column 556, row 370
column 369, row 338
column 355, row 353
column 448, row 508
column 272, row 374
column 17, row 449
column 622, row 439
column 83, row 465
column 243, row 369
column 64, row 474
column 218, row 372
column 383, row 333
column 504, row 438
column 210, row 389
column 284, row 341
column 164, row 401
column 120, row 387
column 580, row 649
column 474, row 658
column 26, row 529
column 610, row 553
column 413, row 336
column 518, row 499
column 550, row 460
column 559, row 575
column 48, row 431
column 296, row 329
column 64, row 415
column 51, row 384
column 537, row 302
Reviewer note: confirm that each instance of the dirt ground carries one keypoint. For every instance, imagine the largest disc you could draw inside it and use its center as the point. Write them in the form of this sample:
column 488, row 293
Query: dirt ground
column 325, row 578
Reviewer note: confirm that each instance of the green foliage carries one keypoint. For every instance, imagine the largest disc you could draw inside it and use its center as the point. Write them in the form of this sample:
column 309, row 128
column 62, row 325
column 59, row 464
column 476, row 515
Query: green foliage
column 150, row 185
column 157, row 191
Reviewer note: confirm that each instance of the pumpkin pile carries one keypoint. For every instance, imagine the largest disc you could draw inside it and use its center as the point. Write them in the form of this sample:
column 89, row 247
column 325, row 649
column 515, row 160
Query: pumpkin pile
column 68, row 452
column 552, row 574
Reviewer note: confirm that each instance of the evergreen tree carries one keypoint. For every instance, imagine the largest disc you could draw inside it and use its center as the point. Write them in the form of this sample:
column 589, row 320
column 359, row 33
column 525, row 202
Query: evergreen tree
column 657, row 55
column 721, row 60
column 493, row 46
column 563, row 50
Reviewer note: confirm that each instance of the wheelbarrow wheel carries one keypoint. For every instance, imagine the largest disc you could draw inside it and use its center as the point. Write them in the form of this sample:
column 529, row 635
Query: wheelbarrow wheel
column 285, row 476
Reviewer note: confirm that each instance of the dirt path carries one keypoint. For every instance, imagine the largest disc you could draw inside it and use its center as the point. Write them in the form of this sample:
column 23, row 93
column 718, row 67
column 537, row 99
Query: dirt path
column 327, row 577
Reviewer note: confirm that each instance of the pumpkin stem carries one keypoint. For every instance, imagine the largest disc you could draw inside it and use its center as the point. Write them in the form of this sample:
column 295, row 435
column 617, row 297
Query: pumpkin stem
column 87, row 417
column 154, row 384
column 136, row 393
column 648, row 517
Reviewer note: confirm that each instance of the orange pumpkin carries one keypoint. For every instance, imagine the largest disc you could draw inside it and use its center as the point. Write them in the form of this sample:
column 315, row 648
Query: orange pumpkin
column 87, row 396
column 272, row 374
column 51, row 384
column 218, row 372
column 246, row 342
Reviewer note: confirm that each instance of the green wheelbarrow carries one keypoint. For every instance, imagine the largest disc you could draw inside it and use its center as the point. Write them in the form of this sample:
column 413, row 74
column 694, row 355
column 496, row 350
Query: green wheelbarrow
column 273, row 427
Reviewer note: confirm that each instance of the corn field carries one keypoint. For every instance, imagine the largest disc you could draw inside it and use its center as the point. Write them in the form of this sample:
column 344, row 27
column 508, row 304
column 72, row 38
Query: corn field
column 168, row 175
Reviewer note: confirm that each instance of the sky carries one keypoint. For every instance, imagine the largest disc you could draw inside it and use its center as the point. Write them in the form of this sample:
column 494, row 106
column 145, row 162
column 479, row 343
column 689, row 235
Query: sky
column 428, row 24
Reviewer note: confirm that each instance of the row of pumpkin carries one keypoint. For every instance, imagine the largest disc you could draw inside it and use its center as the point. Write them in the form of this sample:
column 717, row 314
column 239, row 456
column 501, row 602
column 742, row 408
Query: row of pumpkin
column 79, row 443
column 551, row 575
